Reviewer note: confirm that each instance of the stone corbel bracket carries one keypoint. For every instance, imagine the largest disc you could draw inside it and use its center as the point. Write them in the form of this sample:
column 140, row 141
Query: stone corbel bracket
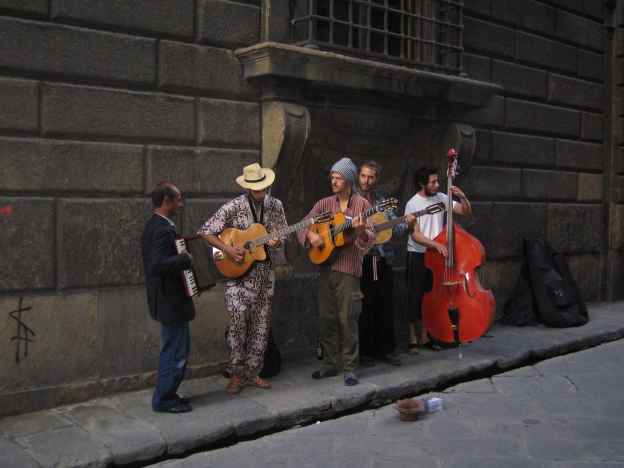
column 463, row 138
column 285, row 127
column 285, row 132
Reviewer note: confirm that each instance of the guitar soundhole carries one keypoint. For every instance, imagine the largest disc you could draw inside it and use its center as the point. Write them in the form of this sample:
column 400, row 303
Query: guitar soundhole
column 248, row 245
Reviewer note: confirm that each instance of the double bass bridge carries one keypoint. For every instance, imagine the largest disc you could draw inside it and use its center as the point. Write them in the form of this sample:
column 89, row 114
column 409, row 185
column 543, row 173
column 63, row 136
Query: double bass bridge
column 463, row 281
column 452, row 283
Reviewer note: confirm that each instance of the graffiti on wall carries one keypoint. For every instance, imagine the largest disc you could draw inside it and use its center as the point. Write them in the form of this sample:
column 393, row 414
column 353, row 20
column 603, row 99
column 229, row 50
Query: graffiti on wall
column 24, row 335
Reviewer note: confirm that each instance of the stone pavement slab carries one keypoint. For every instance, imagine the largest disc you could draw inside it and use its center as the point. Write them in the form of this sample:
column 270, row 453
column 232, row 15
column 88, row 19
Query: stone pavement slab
column 69, row 446
column 13, row 455
column 296, row 397
column 31, row 423
column 128, row 439
column 123, row 429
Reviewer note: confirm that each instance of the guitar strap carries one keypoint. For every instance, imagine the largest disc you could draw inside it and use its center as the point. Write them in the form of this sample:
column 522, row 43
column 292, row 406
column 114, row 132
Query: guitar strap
column 375, row 197
column 375, row 268
column 253, row 211
column 258, row 220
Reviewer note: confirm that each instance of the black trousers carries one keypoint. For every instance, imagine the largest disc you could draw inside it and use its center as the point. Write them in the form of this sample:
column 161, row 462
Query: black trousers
column 418, row 282
column 377, row 318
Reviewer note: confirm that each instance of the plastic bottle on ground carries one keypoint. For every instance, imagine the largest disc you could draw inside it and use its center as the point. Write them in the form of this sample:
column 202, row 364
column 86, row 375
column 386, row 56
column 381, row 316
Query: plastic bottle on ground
column 433, row 404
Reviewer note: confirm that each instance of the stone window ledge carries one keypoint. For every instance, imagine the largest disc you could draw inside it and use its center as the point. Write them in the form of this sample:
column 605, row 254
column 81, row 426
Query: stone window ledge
column 277, row 60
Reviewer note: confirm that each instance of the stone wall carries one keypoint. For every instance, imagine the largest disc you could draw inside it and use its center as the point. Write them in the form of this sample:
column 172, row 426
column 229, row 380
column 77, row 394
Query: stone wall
column 540, row 163
column 616, row 237
column 100, row 100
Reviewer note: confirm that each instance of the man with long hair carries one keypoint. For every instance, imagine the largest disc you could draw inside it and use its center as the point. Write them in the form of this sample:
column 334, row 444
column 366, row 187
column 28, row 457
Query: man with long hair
column 377, row 337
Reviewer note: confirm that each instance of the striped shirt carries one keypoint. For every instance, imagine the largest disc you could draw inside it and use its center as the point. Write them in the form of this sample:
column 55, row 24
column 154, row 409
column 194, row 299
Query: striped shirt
column 348, row 258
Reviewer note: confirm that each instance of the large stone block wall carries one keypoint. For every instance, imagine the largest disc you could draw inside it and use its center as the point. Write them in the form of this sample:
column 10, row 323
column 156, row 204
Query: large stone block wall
column 98, row 102
column 616, row 233
column 540, row 162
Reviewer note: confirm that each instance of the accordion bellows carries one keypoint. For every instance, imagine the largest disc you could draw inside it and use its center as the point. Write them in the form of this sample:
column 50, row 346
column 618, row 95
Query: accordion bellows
column 203, row 274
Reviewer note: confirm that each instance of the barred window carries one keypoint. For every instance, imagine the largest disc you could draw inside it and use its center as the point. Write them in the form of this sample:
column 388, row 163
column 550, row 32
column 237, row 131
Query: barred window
column 423, row 33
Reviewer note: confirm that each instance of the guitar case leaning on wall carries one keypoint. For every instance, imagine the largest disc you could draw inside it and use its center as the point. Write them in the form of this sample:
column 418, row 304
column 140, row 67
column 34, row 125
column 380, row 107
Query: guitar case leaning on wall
column 546, row 291
column 519, row 309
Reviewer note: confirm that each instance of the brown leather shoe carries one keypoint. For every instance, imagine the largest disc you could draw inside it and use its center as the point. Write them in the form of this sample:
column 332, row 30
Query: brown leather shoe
column 234, row 386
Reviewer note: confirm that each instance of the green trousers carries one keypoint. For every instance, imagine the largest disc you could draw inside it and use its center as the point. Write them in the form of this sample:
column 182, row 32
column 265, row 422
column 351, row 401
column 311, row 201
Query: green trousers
column 340, row 304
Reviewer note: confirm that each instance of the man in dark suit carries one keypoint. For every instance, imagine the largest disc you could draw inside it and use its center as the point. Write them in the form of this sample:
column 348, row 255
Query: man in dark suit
column 166, row 298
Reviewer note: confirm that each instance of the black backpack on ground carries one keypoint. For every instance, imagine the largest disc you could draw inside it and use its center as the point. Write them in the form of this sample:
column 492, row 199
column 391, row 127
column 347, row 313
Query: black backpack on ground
column 545, row 291
column 272, row 360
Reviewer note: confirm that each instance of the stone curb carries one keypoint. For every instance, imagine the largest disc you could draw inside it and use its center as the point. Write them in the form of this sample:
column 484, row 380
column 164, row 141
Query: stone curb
column 123, row 429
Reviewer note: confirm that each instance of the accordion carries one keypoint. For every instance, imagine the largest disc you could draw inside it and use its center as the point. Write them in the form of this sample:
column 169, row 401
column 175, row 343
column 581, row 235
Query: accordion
column 202, row 275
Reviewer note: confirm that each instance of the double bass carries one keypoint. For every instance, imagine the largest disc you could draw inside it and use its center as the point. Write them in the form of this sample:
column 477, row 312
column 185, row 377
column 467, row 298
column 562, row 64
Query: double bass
column 457, row 309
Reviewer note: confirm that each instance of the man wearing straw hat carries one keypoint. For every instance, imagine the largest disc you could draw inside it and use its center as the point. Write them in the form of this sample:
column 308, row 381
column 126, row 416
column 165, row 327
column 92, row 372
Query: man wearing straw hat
column 248, row 299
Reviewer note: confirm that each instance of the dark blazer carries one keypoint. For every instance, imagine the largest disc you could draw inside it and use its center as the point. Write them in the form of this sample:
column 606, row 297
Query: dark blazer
column 163, row 279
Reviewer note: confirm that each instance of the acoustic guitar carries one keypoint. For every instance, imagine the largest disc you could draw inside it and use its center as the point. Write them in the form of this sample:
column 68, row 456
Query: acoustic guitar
column 252, row 240
column 383, row 226
column 332, row 232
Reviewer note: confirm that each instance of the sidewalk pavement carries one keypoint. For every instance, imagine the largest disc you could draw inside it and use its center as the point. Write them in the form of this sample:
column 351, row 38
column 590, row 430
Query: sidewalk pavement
column 564, row 412
column 123, row 429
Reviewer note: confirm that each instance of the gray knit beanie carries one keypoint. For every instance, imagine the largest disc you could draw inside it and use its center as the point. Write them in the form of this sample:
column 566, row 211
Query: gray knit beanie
column 346, row 169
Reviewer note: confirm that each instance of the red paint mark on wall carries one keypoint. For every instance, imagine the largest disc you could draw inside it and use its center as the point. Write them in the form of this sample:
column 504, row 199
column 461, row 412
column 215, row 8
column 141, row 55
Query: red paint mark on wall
column 6, row 210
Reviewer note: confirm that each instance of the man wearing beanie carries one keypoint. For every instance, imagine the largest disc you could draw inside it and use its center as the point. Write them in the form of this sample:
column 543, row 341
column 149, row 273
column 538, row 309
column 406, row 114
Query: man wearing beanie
column 339, row 283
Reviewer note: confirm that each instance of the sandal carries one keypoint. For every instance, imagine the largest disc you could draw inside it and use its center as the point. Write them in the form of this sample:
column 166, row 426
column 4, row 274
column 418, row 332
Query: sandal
column 413, row 348
column 234, row 386
column 260, row 383
column 433, row 346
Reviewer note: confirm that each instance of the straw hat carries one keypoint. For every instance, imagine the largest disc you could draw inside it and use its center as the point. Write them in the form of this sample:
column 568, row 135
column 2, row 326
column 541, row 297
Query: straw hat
column 255, row 177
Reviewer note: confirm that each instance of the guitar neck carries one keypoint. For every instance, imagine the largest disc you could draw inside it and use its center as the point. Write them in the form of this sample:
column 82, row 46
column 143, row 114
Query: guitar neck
column 285, row 232
column 393, row 222
column 347, row 225
column 450, row 233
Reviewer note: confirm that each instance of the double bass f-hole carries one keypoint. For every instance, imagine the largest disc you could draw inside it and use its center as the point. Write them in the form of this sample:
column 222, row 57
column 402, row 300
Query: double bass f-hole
column 467, row 285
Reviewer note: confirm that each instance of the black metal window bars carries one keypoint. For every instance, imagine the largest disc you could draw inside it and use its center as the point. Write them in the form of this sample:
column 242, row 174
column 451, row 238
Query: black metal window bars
column 416, row 33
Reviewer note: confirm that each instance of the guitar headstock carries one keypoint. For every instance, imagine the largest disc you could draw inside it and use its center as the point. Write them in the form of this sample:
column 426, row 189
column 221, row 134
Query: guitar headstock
column 435, row 208
column 453, row 164
column 323, row 217
column 387, row 204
